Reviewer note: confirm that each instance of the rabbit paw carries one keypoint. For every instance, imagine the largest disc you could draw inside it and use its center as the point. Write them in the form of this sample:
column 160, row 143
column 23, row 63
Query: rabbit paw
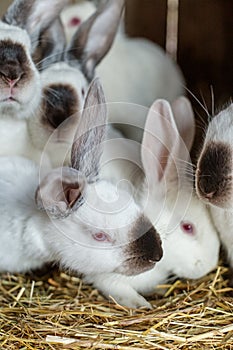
column 132, row 300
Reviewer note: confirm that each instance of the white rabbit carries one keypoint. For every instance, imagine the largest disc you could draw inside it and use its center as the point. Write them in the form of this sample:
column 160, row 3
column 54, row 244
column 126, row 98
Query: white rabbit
column 65, row 83
column 73, row 218
column 214, row 176
column 20, row 88
column 189, row 239
column 134, row 71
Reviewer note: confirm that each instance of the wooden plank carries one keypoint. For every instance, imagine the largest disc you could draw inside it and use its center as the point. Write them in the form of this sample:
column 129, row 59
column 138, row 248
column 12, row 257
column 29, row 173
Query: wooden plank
column 205, row 56
column 205, row 47
column 147, row 18
column 3, row 6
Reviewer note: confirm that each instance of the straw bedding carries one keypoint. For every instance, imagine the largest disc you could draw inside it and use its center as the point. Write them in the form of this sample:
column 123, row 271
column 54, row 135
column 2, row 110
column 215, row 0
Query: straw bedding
column 57, row 311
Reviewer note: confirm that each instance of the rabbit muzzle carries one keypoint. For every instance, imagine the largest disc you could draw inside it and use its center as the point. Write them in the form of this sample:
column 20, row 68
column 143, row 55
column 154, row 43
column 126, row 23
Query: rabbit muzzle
column 143, row 252
column 214, row 175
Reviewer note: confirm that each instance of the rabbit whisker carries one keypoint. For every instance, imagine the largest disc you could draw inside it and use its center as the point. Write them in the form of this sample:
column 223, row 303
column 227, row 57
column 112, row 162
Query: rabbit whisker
column 197, row 100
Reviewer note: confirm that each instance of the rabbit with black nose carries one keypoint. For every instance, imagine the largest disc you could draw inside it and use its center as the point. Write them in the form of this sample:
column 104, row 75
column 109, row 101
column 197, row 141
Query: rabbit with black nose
column 20, row 85
column 135, row 70
column 70, row 216
column 65, row 79
column 214, row 175
column 159, row 172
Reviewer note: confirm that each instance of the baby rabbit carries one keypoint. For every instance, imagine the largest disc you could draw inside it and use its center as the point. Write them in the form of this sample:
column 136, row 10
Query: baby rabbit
column 189, row 239
column 71, row 217
column 214, row 182
column 65, row 83
column 134, row 71
column 20, row 89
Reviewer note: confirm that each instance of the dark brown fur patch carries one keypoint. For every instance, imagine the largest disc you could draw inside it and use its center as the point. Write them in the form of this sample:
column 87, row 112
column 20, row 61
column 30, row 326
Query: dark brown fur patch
column 17, row 14
column 13, row 63
column 49, row 49
column 145, row 250
column 60, row 103
column 214, row 174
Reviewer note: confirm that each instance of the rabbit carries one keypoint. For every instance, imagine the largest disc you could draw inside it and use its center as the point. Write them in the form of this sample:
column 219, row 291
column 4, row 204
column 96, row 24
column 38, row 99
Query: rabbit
column 214, row 176
column 134, row 71
column 71, row 217
column 20, row 88
column 64, row 83
column 189, row 239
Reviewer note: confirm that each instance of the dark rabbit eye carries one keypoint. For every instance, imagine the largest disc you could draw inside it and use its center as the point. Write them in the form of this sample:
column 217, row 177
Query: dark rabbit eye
column 83, row 92
column 187, row 227
column 101, row 237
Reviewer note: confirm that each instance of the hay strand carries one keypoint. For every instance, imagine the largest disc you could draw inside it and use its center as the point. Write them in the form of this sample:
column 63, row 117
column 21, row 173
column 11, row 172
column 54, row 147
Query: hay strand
column 58, row 311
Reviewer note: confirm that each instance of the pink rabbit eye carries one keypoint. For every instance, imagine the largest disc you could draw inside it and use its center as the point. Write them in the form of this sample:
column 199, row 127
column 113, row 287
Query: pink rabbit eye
column 187, row 227
column 101, row 237
column 75, row 21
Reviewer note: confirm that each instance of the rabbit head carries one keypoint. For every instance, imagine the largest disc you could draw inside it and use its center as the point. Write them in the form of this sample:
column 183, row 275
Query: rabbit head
column 214, row 179
column 72, row 16
column 100, row 226
column 20, row 28
column 190, row 241
column 65, row 83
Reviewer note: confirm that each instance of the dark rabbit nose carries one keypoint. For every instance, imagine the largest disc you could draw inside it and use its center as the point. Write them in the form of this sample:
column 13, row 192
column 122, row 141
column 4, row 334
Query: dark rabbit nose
column 213, row 169
column 206, row 186
column 11, row 72
column 61, row 102
column 150, row 245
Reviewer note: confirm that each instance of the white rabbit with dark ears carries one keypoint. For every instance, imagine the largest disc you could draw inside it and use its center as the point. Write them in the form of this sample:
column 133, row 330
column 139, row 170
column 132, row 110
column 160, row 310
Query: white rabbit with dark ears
column 135, row 70
column 85, row 224
column 65, row 83
column 20, row 88
column 189, row 239
column 214, row 179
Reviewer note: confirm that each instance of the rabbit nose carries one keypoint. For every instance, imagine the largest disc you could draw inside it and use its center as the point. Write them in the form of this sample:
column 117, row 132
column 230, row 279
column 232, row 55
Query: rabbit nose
column 214, row 170
column 206, row 187
column 11, row 72
column 149, row 245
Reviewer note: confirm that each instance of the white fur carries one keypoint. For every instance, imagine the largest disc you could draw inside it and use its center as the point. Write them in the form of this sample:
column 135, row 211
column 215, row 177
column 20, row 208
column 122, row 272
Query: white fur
column 13, row 130
column 30, row 238
column 55, row 144
column 14, row 139
column 123, row 83
column 134, row 71
column 44, row 138
column 55, row 215
column 220, row 130
column 168, row 201
column 28, row 97
column 83, row 10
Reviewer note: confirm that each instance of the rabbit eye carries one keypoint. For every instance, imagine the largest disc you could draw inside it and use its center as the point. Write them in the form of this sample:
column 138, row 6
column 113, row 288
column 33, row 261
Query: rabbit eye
column 75, row 21
column 101, row 237
column 187, row 227
column 83, row 92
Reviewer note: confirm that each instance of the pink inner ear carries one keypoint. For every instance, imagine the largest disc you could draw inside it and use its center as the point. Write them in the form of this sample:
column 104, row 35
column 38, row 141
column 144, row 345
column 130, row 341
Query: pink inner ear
column 72, row 195
column 75, row 21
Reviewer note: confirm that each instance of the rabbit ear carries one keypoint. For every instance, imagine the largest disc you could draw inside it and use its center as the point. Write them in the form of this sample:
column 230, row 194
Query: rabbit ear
column 33, row 15
column 162, row 146
column 95, row 36
column 60, row 192
column 185, row 121
column 88, row 142
column 51, row 45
